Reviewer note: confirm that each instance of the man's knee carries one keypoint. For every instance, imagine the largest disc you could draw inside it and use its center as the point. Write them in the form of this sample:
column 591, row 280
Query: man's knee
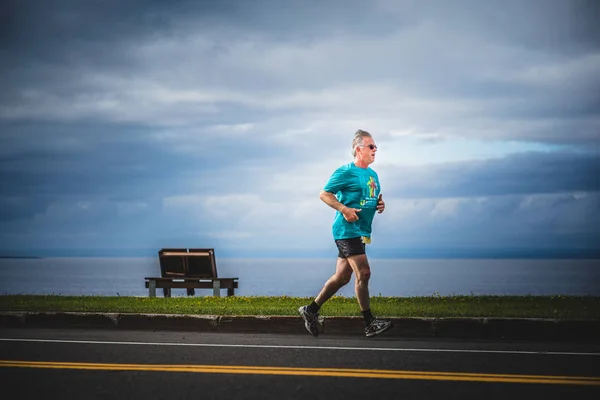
column 363, row 271
column 364, row 274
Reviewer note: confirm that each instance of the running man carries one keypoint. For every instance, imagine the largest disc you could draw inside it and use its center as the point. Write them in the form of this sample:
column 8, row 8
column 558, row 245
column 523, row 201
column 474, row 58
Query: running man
column 353, row 190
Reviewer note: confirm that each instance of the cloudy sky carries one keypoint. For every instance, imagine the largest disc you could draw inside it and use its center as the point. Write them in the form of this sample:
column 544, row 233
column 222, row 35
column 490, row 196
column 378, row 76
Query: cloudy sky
column 150, row 124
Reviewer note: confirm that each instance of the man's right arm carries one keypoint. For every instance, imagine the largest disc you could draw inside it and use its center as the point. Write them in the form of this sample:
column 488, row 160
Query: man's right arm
column 332, row 201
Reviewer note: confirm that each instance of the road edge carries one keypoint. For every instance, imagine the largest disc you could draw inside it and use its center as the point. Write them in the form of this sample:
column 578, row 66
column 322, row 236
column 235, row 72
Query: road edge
column 459, row 328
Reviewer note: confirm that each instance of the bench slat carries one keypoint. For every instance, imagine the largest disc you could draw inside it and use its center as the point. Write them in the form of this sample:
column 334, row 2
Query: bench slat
column 173, row 253
column 176, row 278
column 192, row 285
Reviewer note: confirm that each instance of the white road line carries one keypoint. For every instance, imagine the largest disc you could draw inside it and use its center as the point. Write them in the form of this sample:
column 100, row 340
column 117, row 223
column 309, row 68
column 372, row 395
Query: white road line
column 262, row 346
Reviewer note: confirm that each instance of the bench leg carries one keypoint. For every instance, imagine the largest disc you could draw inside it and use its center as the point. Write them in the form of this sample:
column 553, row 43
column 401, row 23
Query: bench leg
column 191, row 292
column 167, row 292
column 152, row 288
column 217, row 288
column 230, row 291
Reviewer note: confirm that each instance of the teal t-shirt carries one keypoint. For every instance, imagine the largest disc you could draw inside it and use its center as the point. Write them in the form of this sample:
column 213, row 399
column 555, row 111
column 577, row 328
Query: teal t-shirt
column 356, row 188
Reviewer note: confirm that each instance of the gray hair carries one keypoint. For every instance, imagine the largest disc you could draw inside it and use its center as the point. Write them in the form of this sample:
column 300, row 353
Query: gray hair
column 359, row 136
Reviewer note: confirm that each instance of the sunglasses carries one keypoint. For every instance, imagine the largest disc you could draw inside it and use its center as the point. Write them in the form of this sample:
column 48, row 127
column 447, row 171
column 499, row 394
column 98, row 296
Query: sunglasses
column 370, row 146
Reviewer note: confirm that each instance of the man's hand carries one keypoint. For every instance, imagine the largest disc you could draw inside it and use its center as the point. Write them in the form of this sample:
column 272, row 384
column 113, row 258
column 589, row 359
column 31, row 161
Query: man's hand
column 380, row 204
column 350, row 214
column 332, row 201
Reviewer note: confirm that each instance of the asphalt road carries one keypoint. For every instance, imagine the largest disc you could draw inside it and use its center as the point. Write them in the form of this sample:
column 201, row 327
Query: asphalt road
column 116, row 364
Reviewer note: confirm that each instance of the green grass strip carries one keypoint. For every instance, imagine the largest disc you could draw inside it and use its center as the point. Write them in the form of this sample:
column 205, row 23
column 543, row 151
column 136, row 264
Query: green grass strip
column 559, row 307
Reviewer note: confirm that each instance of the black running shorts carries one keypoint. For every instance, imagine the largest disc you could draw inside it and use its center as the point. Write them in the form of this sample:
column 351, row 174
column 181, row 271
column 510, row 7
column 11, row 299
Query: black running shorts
column 350, row 247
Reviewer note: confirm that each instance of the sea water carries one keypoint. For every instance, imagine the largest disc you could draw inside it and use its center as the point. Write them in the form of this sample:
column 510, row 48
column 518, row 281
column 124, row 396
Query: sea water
column 108, row 276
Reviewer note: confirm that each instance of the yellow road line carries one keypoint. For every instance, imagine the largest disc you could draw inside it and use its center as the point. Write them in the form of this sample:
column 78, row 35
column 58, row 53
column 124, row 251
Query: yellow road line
column 333, row 372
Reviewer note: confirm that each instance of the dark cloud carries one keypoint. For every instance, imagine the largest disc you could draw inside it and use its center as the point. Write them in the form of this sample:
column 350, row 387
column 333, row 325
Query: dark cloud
column 120, row 161
column 555, row 27
column 66, row 54
column 13, row 208
column 64, row 28
column 518, row 174
column 32, row 24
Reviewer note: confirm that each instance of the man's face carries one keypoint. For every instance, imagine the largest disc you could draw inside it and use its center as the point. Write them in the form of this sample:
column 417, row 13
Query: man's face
column 367, row 150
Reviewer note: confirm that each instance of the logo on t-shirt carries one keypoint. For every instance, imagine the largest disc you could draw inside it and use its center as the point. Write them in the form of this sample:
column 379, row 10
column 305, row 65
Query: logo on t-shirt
column 369, row 200
column 372, row 186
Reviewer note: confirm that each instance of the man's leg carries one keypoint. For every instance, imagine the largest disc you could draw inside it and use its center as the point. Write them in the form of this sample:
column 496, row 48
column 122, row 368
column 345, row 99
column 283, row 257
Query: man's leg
column 310, row 313
column 362, row 271
column 341, row 277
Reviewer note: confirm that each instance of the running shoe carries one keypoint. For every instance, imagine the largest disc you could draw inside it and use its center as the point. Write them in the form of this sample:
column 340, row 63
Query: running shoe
column 310, row 320
column 377, row 326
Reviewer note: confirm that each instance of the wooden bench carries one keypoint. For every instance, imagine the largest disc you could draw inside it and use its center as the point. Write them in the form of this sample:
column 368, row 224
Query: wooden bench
column 189, row 269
